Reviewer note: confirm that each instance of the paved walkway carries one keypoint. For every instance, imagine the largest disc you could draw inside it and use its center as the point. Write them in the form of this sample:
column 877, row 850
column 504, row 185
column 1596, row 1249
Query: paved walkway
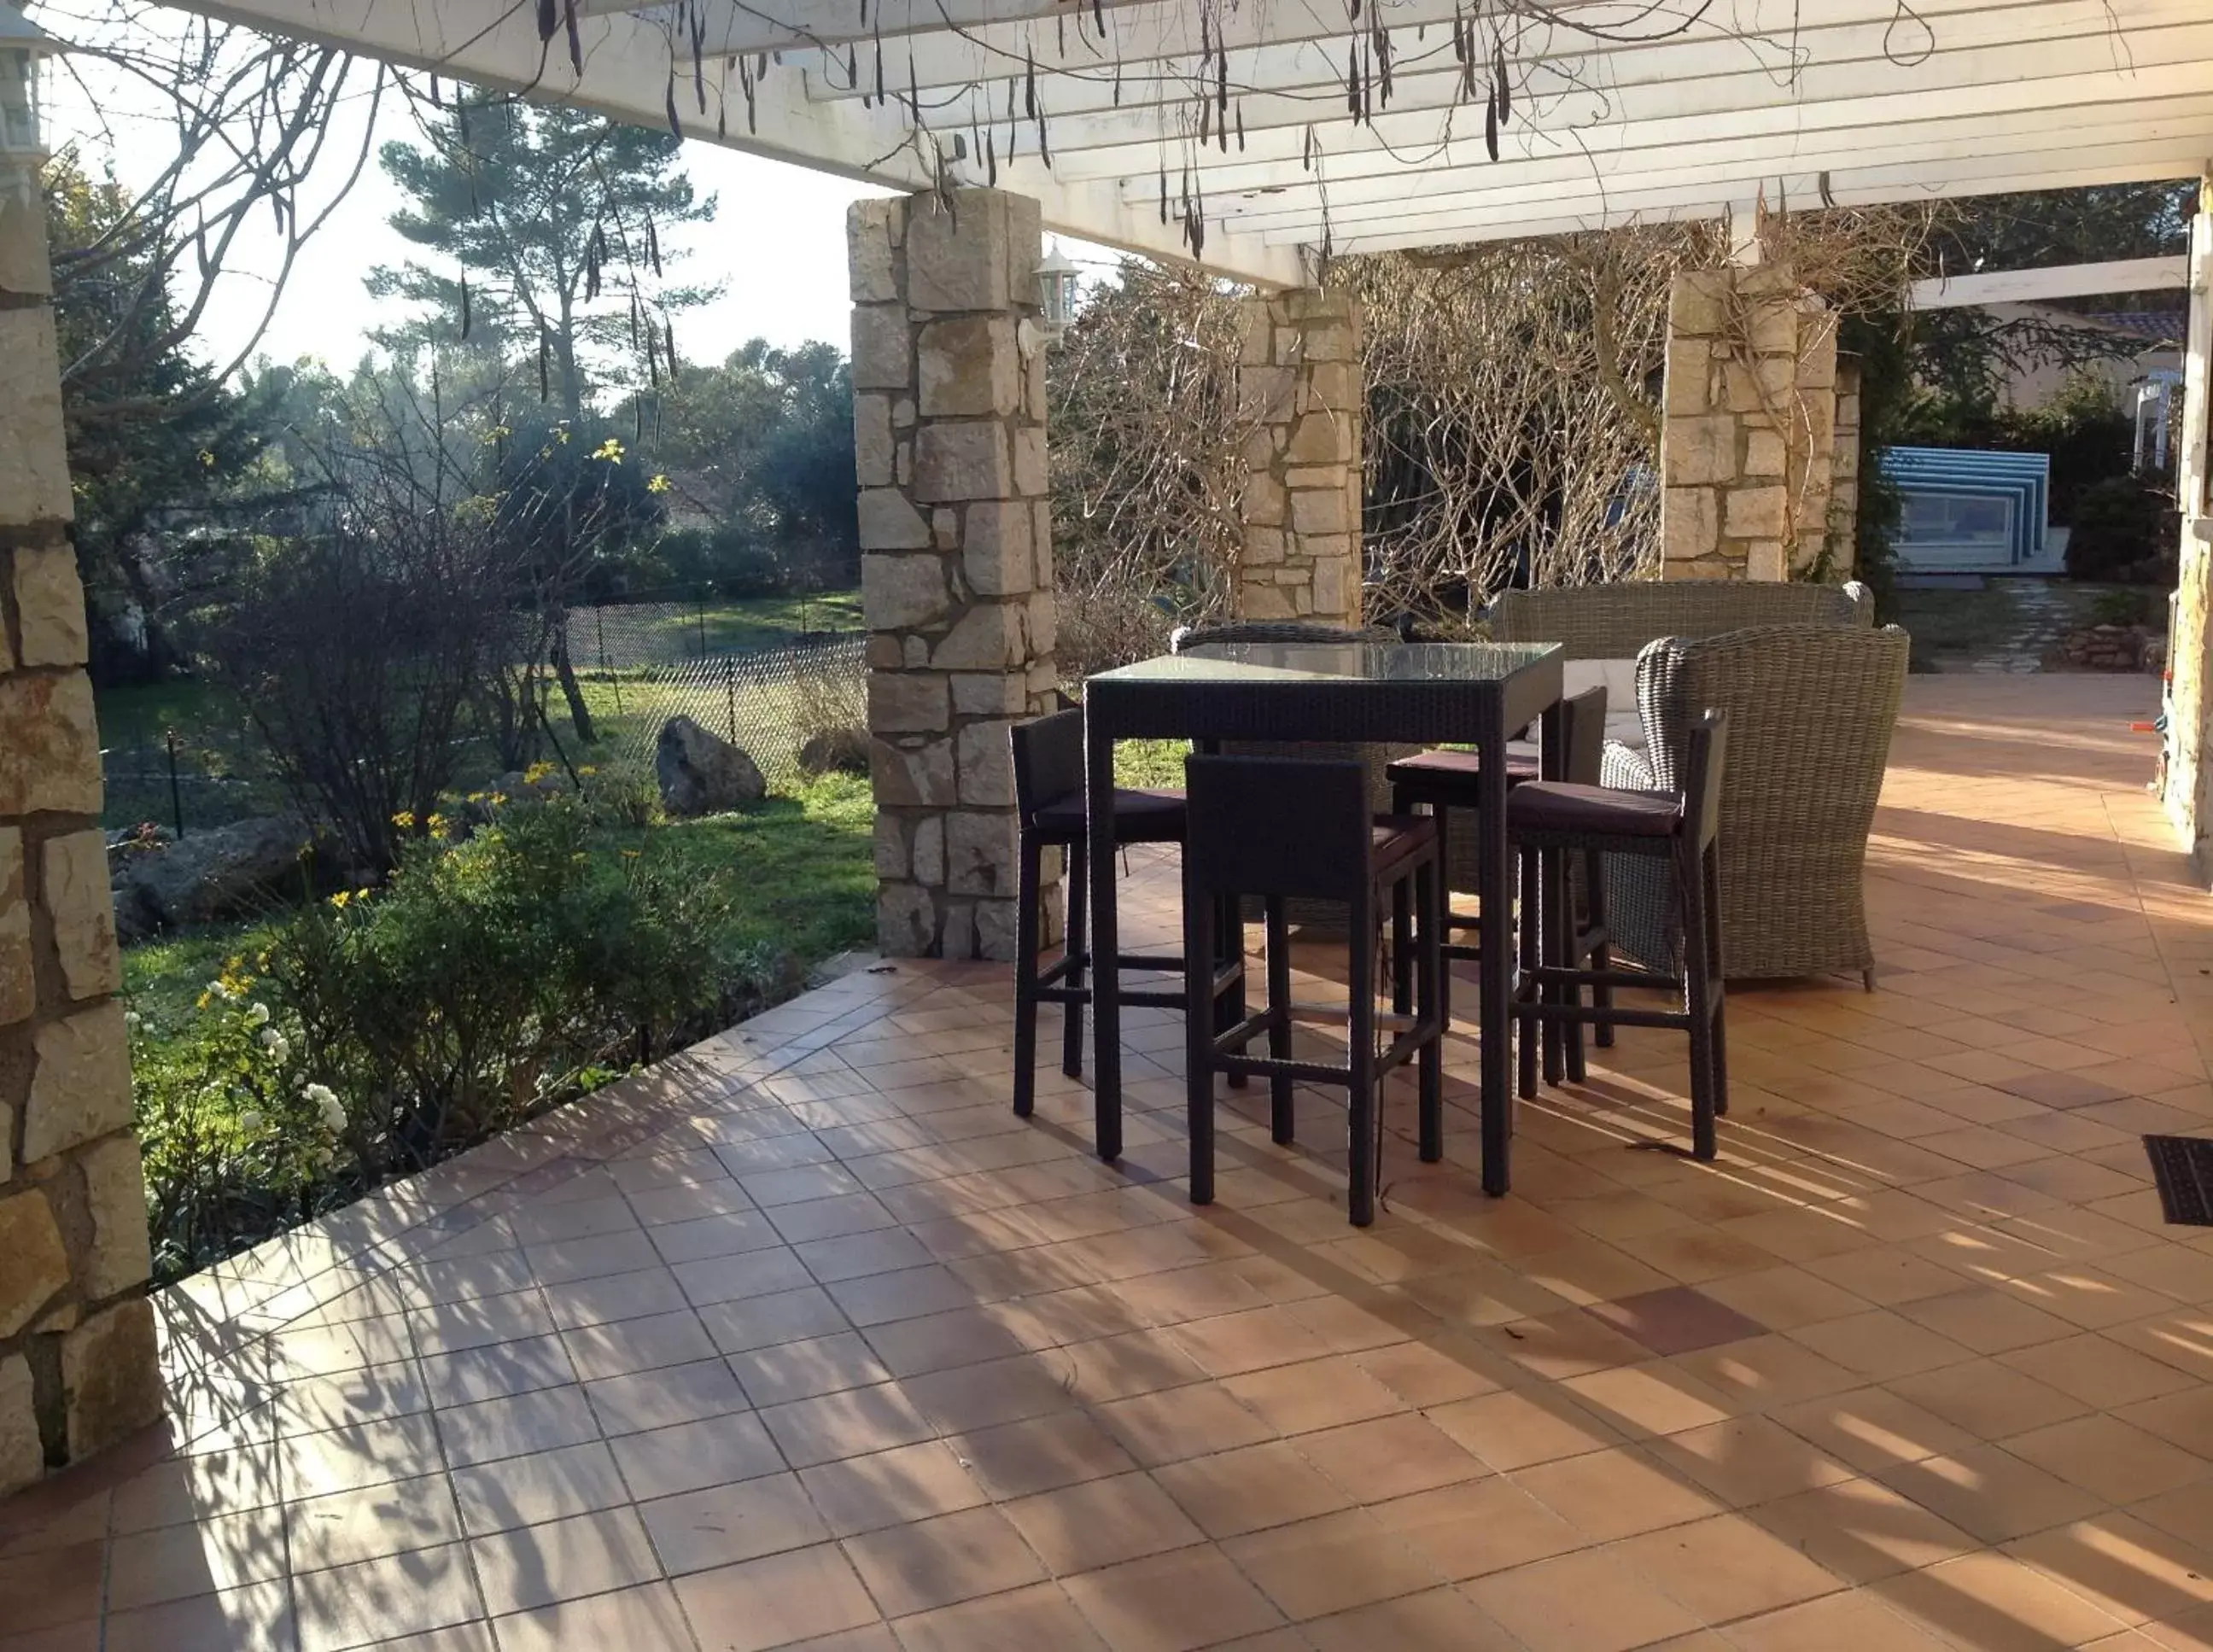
column 801, row 1340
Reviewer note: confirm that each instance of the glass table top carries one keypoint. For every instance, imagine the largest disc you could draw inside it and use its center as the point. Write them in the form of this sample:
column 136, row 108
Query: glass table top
column 1378, row 662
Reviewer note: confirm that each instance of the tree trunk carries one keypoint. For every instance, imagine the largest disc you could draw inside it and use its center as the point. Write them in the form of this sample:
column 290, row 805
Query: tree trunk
column 580, row 714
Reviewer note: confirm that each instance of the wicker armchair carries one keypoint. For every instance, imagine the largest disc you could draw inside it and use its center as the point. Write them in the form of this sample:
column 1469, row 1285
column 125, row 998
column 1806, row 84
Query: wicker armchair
column 1319, row 916
column 1614, row 622
column 1810, row 712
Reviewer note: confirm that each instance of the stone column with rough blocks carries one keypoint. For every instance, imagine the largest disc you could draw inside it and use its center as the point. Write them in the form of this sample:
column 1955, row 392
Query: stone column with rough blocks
column 1299, row 383
column 2188, row 772
column 1747, row 451
column 77, row 1361
column 956, row 564
column 1844, row 537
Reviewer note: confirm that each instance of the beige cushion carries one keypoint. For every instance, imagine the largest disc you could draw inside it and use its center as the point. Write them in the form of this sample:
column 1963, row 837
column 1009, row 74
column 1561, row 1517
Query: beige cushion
column 1618, row 679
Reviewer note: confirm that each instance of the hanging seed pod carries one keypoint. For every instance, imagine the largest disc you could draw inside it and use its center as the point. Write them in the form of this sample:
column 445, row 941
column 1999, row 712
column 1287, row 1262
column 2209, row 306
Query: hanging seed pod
column 548, row 19
column 1491, row 123
column 1307, row 152
column 576, row 38
column 745, row 84
column 653, row 358
column 1099, row 17
column 1460, row 36
column 880, row 71
column 1828, row 197
column 991, row 158
column 1164, row 195
column 1352, row 82
column 468, row 319
column 1029, row 85
column 1383, row 61
column 1118, row 83
column 864, row 14
column 637, row 421
column 1221, row 89
column 700, row 62
column 913, row 91
column 668, row 343
column 1205, row 122
column 1060, row 34
column 1044, row 149
column 653, row 248
column 633, row 321
column 434, row 104
column 1505, row 87
column 461, row 120
column 1010, row 97
column 675, row 126
column 1240, row 125
column 544, row 366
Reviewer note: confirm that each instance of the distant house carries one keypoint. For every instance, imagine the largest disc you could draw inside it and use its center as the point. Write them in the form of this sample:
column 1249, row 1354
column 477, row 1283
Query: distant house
column 2142, row 341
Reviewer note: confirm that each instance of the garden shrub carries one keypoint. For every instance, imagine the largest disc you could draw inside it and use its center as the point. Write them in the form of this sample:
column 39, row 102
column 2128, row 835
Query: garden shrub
column 2124, row 528
column 385, row 1028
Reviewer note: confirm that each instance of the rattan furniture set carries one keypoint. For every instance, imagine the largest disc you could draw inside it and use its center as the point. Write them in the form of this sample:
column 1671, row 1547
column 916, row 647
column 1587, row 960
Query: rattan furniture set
column 1344, row 781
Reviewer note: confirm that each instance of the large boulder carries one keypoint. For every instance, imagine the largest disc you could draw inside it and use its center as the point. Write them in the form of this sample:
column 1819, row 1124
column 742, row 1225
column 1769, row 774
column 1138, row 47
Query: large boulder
column 702, row 774
column 223, row 872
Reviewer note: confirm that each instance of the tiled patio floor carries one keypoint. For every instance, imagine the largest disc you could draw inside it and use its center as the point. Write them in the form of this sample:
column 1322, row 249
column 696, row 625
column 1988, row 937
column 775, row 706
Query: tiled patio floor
column 804, row 1339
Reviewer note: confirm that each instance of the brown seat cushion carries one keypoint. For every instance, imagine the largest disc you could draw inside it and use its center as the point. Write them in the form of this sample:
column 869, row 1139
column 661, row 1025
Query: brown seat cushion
column 1450, row 771
column 1400, row 837
column 1140, row 816
column 1591, row 811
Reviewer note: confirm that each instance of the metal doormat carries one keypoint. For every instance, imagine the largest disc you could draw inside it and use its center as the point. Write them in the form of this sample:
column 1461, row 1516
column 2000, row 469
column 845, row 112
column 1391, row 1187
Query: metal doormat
column 2183, row 1167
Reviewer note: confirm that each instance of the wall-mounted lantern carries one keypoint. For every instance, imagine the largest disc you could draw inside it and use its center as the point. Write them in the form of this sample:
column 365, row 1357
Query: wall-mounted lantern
column 1057, row 277
column 23, row 46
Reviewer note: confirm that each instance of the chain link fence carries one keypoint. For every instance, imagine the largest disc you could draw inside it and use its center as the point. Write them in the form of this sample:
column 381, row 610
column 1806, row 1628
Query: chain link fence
column 773, row 702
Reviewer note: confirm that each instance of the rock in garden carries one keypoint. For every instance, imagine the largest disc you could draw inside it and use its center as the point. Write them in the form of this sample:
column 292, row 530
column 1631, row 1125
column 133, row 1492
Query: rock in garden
column 835, row 751
column 702, row 774
column 222, row 872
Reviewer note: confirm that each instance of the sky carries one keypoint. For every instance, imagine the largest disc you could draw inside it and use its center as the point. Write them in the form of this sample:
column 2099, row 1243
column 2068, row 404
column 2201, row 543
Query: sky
column 778, row 243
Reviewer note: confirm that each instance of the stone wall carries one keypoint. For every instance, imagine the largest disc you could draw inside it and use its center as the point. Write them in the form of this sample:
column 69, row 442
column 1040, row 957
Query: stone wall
column 957, row 566
column 2187, row 774
column 1747, row 449
column 1299, row 376
column 1844, row 474
column 78, row 1363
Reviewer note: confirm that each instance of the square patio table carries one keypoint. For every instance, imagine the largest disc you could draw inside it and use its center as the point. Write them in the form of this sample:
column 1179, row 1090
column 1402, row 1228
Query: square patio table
column 1467, row 693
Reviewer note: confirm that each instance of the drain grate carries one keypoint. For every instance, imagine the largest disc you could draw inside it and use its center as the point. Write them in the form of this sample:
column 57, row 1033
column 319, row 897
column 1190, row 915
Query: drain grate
column 2183, row 1167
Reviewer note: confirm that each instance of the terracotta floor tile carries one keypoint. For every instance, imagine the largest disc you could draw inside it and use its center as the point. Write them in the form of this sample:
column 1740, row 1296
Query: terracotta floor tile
column 1100, row 1522
column 909, row 1482
column 534, row 1566
column 1329, row 1564
column 259, row 1616
column 2108, row 1457
column 1313, row 1395
column 941, row 1342
column 1615, row 1493
column 1172, row 1602
column 489, row 1430
column 689, row 1456
column 657, row 1399
column 2133, row 1570
column 2097, row 1370
column 1677, row 1320
column 643, row 1619
column 1437, row 1620
column 382, row 1599
column 1745, row 1460
column 942, row 1560
column 1991, row 1600
column 1987, row 1399
column 1432, row 1372
column 700, row 1530
column 621, row 1347
column 1184, row 1422
column 531, row 1491
column 1390, row 1457
column 1249, row 1489
column 1651, row 1399
column 1727, row 1567
column 1041, row 1453
column 1862, row 1530
column 1765, row 1372
column 362, row 1525
column 1881, row 1344
column 1510, row 1430
column 1040, row 1616
column 800, row 1370
column 1588, row 1602
column 1989, row 1493
column 776, row 1600
column 1834, row 1621
column 172, row 1563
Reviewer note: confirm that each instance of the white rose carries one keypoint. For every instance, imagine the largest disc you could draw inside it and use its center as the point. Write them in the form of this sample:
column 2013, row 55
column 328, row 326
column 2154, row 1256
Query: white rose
column 273, row 1042
column 258, row 1016
column 132, row 1019
column 334, row 1117
column 250, row 1121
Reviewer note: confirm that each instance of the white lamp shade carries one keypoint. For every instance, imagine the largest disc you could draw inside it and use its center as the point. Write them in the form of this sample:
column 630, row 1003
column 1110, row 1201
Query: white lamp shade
column 1057, row 277
column 22, row 44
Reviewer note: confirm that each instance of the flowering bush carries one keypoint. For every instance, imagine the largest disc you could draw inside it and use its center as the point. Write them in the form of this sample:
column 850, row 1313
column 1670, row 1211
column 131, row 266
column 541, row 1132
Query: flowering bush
column 238, row 1143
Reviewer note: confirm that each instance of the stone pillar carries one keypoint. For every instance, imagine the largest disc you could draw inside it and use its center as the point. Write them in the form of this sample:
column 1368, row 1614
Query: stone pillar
column 956, row 564
column 1747, row 448
column 1299, row 380
column 77, row 1361
column 1843, row 536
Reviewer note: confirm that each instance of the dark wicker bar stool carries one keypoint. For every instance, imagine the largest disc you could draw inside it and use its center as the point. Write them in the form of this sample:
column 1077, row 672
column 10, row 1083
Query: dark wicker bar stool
column 1048, row 761
column 1549, row 818
column 1448, row 780
column 1286, row 828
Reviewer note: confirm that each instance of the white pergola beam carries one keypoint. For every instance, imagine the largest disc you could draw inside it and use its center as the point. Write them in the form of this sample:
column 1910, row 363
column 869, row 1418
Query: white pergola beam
column 627, row 75
column 1447, row 229
column 1741, row 170
column 2168, row 60
column 2128, row 275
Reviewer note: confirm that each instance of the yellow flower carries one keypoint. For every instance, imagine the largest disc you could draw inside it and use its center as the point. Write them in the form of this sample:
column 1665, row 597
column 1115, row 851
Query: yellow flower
column 203, row 1002
column 437, row 824
column 657, row 484
column 611, row 450
column 340, row 899
column 476, row 797
column 405, row 820
column 536, row 772
column 499, row 797
column 586, row 768
column 631, row 854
